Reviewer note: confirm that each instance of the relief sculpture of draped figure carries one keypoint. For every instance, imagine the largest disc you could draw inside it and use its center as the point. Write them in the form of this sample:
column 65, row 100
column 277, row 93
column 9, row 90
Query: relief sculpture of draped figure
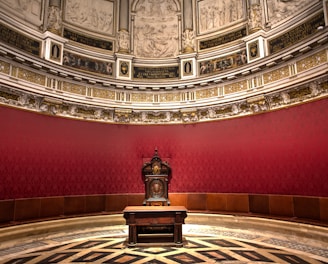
column 279, row 10
column 214, row 14
column 96, row 15
column 156, row 29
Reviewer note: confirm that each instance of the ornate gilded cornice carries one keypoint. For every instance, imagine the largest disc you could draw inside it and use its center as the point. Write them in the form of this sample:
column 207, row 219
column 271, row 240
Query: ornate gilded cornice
column 292, row 83
column 242, row 69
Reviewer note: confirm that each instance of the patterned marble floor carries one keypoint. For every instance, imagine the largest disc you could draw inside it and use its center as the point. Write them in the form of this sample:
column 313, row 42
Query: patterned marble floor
column 202, row 244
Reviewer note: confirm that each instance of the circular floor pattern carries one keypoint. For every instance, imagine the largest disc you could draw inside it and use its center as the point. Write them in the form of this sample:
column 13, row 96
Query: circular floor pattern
column 202, row 244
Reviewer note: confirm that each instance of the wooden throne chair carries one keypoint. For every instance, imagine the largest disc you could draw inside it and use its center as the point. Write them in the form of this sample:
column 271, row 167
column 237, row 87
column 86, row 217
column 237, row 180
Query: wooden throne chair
column 156, row 178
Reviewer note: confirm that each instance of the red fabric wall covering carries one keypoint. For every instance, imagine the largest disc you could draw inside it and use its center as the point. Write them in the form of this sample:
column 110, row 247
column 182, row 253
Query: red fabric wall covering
column 281, row 152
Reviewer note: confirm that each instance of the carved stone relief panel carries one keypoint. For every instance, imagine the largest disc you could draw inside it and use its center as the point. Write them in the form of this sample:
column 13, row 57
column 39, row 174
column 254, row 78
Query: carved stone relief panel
column 279, row 10
column 96, row 15
column 29, row 10
column 213, row 14
column 156, row 29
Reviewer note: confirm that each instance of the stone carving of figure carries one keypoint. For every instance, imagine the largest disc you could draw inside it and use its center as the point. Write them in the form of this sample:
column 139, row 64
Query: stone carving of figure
column 281, row 9
column 123, row 41
column 94, row 15
column 156, row 7
column 72, row 110
column 23, row 100
column 234, row 109
column 242, row 57
column 211, row 113
column 98, row 114
column 314, row 88
column 255, row 18
column 54, row 19
column 285, row 98
column 167, row 116
column 143, row 117
column 188, row 40
column 156, row 29
column 214, row 14
column 30, row 10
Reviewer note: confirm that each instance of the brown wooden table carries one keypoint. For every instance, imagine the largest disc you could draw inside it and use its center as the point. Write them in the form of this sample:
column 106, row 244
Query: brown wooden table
column 155, row 224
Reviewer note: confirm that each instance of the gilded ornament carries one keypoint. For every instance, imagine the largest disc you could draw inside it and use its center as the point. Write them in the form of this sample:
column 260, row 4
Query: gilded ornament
column 31, row 76
column 4, row 67
column 103, row 93
column 235, row 87
column 74, row 88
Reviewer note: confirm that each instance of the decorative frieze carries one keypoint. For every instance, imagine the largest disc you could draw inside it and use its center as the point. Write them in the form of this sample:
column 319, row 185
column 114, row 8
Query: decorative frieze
column 4, row 67
column 169, row 97
column 92, row 90
column 158, row 117
column 142, row 97
column 103, row 93
column 206, row 93
column 217, row 65
column 87, row 64
column 74, row 88
column 235, row 87
column 312, row 61
column 32, row 77
column 8, row 96
column 257, row 81
column 299, row 93
column 276, row 75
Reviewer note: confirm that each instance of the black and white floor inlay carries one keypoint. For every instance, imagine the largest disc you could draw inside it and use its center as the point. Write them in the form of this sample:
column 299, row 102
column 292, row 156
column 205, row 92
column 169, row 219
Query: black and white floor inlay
column 203, row 244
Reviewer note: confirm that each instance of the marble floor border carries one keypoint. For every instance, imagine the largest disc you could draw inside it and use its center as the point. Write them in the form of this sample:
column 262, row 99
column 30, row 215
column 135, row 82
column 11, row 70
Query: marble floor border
column 297, row 238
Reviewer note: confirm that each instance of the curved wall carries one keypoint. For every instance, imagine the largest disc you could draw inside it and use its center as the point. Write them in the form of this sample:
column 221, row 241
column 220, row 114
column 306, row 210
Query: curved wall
column 283, row 152
column 272, row 163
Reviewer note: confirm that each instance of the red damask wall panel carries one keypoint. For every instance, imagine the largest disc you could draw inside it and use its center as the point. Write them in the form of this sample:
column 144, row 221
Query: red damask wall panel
column 281, row 152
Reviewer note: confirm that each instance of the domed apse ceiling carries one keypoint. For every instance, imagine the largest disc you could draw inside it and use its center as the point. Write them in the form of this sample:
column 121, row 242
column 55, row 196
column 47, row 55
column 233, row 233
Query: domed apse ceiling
column 162, row 62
